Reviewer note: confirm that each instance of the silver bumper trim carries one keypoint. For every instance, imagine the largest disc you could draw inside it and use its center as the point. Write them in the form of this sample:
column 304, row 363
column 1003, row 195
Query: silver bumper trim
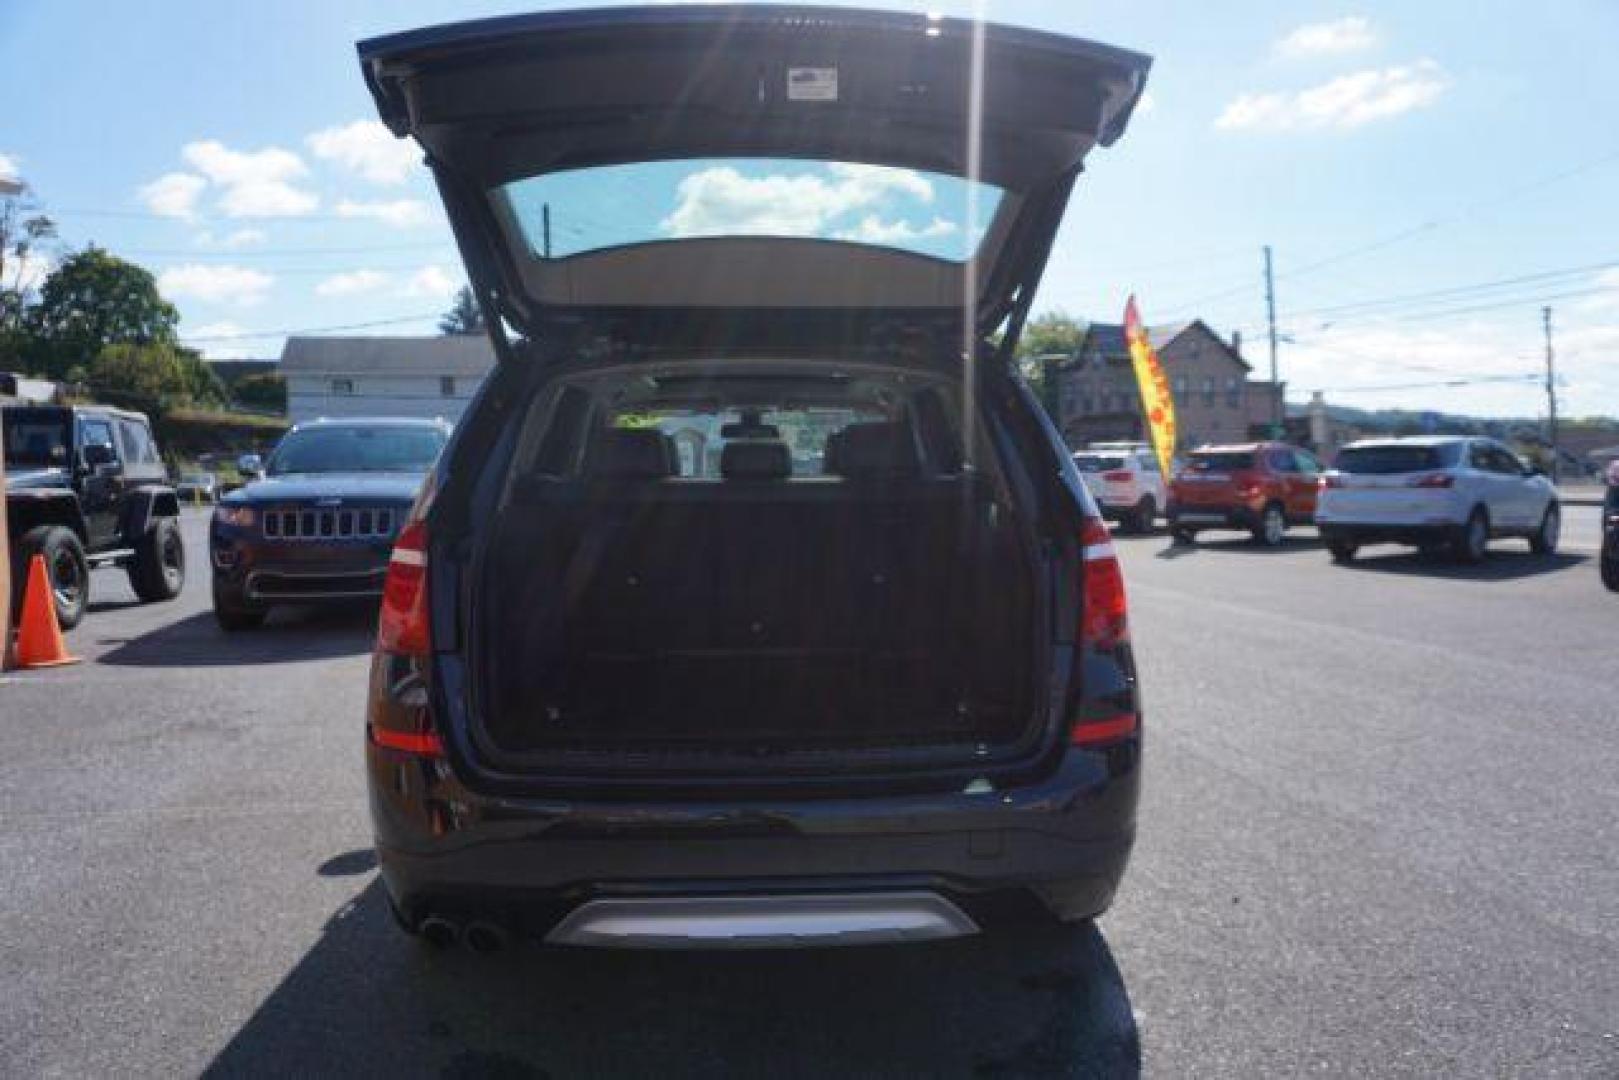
column 762, row 922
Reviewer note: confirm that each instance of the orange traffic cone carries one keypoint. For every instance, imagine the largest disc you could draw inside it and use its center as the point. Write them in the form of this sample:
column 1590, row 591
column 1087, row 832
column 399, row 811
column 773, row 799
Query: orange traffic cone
column 39, row 636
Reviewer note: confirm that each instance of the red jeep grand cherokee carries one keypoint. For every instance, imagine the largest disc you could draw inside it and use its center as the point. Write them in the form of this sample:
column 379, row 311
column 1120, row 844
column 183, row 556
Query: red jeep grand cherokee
column 1260, row 487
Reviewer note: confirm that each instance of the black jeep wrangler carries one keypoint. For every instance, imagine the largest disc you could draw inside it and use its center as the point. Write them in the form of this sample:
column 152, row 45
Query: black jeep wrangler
column 86, row 488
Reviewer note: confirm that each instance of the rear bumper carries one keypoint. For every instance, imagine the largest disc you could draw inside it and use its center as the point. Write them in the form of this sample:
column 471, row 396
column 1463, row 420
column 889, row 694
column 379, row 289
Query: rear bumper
column 529, row 864
column 1362, row 533
column 1182, row 515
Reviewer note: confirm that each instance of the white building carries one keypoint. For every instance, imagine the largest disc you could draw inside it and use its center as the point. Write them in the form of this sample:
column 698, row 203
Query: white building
column 383, row 376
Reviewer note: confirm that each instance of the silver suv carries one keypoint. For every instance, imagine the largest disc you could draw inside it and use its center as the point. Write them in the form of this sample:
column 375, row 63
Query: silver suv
column 1435, row 493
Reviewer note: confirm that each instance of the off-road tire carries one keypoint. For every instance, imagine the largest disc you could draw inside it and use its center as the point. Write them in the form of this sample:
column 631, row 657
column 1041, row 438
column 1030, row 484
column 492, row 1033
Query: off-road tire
column 67, row 571
column 158, row 571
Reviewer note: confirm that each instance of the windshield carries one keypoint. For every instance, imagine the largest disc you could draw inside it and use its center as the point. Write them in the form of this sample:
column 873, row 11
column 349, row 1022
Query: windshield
column 358, row 448
column 35, row 440
column 579, row 210
column 1375, row 460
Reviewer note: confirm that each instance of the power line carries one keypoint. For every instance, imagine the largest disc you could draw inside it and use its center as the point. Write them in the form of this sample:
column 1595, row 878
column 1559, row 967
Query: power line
column 216, row 255
column 1415, row 230
column 299, row 330
column 1443, row 384
column 1454, row 291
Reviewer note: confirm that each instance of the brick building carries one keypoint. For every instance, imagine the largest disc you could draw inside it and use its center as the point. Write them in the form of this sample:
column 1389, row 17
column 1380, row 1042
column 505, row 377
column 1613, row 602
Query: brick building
column 1215, row 400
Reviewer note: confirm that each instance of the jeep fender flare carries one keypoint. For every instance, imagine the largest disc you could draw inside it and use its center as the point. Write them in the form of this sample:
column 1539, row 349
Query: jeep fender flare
column 143, row 506
column 30, row 508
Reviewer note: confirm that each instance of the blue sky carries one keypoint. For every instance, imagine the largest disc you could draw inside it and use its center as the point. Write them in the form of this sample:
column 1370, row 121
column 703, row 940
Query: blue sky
column 1389, row 152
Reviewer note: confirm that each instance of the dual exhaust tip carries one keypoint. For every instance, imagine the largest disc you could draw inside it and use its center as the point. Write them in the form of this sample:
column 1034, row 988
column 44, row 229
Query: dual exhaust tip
column 478, row 936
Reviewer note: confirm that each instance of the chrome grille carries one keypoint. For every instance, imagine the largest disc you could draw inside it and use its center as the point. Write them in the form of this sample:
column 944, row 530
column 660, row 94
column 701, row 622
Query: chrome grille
column 364, row 523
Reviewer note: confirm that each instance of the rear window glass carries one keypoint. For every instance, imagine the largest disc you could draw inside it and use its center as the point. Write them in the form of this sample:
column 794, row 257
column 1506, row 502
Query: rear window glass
column 1097, row 463
column 1396, row 459
column 700, row 435
column 579, row 210
column 1220, row 460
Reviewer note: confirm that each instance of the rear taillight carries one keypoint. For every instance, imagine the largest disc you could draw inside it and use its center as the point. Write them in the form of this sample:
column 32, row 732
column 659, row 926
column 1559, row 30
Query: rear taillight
column 1433, row 480
column 403, row 628
column 1117, row 476
column 1104, row 627
column 1103, row 623
column 401, row 718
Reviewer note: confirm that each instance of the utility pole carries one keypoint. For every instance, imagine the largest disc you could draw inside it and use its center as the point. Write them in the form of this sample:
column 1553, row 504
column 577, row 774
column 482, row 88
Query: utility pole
column 1551, row 388
column 1276, row 413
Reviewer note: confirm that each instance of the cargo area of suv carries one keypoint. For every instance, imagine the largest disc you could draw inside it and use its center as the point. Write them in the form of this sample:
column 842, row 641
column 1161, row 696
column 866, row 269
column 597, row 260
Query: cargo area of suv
column 761, row 562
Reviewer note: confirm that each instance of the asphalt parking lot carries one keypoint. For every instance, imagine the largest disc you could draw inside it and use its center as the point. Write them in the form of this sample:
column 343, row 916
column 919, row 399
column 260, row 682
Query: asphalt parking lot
column 1380, row 836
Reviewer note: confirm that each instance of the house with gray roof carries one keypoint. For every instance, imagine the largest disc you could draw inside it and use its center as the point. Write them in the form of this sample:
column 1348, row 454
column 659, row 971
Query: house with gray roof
column 383, row 376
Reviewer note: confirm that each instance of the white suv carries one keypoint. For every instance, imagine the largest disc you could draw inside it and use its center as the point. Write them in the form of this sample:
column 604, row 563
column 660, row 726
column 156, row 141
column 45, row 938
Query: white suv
column 1124, row 479
column 1455, row 493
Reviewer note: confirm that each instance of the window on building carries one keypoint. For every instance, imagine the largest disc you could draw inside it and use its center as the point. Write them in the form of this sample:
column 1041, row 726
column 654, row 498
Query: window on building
column 1208, row 389
column 446, row 385
column 1180, row 388
column 343, row 386
column 1233, row 393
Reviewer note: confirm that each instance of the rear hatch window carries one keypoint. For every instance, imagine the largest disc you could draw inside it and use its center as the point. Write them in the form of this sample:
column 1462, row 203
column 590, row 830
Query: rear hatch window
column 1386, row 460
column 1095, row 463
column 1220, row 461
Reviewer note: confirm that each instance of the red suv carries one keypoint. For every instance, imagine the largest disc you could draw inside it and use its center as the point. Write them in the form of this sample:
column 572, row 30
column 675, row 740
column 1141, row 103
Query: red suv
column 1261, row 487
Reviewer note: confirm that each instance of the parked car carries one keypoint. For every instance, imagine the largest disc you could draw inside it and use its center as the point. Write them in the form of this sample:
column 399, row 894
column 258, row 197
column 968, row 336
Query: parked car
column 1126, row 482
column 1610, row 530
column 619, row 700
column 1435, row 493
column 320, row 525
column 1258, row 487
column 198, row 487
column 86, row 488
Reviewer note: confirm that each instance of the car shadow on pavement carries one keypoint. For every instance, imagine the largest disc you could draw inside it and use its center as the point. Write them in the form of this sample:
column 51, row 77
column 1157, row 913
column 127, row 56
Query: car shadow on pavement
column 1237, row 544
column 367, row 1000
column 1498, row 566
column 289, row 636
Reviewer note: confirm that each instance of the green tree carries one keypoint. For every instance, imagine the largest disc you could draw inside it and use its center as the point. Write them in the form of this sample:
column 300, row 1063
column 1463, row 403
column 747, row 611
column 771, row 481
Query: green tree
column 93, row 300
column 464, row 316
column 1051, row 333
column 266, row 391
column 152, row 378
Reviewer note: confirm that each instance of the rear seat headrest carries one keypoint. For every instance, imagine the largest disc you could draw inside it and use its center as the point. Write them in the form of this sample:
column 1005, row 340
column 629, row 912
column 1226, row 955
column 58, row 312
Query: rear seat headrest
column 870, row 449
column 633, row 453
column 756, row 459
column 741, row 430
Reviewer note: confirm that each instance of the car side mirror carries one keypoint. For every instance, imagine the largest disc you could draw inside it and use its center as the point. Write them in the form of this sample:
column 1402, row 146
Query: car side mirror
column 249, row 465
column 98, row 458
column 1534, row 470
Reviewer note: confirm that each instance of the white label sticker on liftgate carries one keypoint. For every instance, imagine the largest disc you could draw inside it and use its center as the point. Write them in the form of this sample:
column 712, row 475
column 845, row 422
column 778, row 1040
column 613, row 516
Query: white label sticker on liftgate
column 812, row 84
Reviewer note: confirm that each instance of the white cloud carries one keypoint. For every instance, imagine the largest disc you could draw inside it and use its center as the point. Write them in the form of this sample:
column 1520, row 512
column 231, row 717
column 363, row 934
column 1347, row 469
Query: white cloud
column 173, row 194
column 255, row 184
column 218, row 341
column 1146, row 105
column 10, row 166
column 431, row 282
column 28, row 274
column 1608, row 298
column 1349, row 34
column 231, row 241
column 369, row 149
column 237, row 286
column 400, row 213
column 1348, row 101
column 722, row 201
column 874, row 230
column 352, row 283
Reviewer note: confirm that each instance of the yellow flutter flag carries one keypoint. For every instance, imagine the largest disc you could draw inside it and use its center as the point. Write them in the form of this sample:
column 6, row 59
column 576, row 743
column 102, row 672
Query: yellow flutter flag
column 1156, row 401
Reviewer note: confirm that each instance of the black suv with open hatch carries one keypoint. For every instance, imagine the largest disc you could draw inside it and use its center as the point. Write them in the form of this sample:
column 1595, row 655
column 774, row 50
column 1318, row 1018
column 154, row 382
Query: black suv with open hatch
column 755, row 600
